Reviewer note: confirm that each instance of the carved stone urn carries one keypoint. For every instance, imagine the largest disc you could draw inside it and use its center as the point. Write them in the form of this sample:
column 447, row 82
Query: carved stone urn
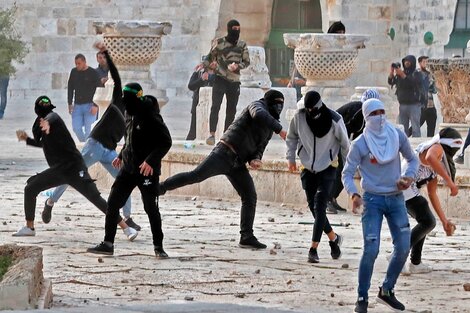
column 134, row 46
column 256, row 75
column 325, row 59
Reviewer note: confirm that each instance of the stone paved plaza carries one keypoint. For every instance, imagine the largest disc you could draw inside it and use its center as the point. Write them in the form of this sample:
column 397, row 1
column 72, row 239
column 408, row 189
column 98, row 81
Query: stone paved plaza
column 206, row 265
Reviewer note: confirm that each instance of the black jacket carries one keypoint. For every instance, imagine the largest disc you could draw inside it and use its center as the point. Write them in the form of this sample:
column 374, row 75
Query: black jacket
column 111, row 127
column 195, row 83
column 353, row 118
column 251, row 131
column 409, row 89
column 147, row 139
column 58, row 146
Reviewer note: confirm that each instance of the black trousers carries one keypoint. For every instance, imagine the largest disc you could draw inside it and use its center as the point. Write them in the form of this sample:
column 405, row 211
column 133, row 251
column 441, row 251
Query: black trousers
column 223, row 161
column 56, row 176
column 338, row 184
column 317, row 187
column 231, row 90
column 192, row 127
column 419, row 209
column 121, row 190
column 429, row 115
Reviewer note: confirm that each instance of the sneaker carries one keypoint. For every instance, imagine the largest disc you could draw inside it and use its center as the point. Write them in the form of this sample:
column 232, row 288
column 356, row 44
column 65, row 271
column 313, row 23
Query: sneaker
column 160, row 253
column 459, row 159
column 24, row 232
column 387, row 297
column 337, row 206
column 102, row 248
column 210, row 140
column 334, row 245
column 330, row 209
column 313, row 256
column 131, row 233
column 418, row 269
column 361, row 305
column 47, row 213
column 251, row 243
column 130, row 222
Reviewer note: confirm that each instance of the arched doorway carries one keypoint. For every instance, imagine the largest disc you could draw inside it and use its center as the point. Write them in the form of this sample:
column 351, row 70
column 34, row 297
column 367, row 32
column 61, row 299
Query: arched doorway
column 461, row 33
column 289, row 16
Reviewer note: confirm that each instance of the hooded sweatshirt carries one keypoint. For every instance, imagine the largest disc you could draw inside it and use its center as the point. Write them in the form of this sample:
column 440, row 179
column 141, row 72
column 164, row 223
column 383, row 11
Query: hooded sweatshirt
column 409, row 89
column 316, row 154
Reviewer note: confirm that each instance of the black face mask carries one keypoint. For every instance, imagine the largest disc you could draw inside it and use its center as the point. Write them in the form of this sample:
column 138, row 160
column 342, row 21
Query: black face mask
column 450, row 153
column 276, row 109
column 43, row 110
column 232, row 34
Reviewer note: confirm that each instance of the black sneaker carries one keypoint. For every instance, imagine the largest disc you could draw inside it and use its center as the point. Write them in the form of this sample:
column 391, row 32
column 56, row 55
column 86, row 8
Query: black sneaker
column 334, row 245
column 459, row 159
column 337, row 206
column 361, row 305
column 160, row 253
column 251, row 243
column 387, row 297
column 132, row 224
column 46, row 213
column 330, row 209
column 313, row 256
column 102, row 248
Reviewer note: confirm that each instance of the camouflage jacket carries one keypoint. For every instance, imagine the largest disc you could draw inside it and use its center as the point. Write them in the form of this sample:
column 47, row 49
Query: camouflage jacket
column 226, row 53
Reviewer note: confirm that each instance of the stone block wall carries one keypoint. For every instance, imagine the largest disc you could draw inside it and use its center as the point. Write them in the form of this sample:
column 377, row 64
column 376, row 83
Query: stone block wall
column 57, row 30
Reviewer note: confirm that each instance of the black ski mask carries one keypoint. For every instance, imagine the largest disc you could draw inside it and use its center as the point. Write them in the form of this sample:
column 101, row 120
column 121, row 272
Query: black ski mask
column 452, row 148
column 43, row 106
column 317, row 114
column 132, row 96
column 275, row 102
column 232, row 34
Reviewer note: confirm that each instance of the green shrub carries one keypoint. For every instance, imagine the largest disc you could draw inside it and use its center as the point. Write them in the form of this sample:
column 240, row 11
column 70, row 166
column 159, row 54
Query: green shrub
column 11, row 47
column 5, row 262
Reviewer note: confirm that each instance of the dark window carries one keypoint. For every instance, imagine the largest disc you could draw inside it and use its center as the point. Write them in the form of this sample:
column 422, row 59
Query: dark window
column 289, row 16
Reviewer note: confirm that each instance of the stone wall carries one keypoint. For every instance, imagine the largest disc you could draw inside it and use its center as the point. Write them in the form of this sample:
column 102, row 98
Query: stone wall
column 57, row 30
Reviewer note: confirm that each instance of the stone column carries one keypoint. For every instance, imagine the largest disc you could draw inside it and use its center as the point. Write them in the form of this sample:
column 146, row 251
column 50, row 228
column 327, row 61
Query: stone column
column 134, row 46
column 326, row 61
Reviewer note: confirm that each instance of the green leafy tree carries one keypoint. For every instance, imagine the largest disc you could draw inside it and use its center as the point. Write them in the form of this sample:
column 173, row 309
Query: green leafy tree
column 11, row 46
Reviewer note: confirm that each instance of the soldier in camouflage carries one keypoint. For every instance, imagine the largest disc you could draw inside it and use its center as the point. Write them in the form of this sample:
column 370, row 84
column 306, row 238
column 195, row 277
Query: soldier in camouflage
column 231, row 55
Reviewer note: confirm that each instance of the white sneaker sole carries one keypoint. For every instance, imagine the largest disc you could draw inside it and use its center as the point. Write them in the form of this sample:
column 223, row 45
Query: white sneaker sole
column 133, row 236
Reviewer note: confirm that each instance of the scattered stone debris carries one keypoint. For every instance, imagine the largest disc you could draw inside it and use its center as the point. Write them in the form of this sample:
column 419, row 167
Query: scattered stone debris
column 68, row 219
column 188, row 298
column 289, row 282
column 272, row 252
column 257, row 271
column 100, row 260
column 332, row 295
column 4, row 223
column 194, row 198
column 271, row 219
column 125, row 281
column 345, row 265
column 240, row 295
column 466, row 287
column 199, row 206
column 277, row 245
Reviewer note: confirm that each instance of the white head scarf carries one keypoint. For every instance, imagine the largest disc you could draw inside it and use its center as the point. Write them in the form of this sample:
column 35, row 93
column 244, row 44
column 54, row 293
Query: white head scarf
column 382, row 141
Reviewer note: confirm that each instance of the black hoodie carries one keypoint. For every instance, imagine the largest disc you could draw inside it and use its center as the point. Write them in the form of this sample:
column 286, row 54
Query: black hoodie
column 409, row 89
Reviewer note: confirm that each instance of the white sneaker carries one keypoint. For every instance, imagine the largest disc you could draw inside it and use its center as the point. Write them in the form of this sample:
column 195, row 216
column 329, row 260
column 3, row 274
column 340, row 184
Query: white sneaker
column 24, row 231
column 419, row 269
column 131, row 233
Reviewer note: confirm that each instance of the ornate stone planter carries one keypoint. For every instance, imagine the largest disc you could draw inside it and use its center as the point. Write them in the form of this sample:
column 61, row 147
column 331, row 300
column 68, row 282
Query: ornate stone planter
column 134, row 46
column 453, row 82
column 325, row 59
column 257, row 74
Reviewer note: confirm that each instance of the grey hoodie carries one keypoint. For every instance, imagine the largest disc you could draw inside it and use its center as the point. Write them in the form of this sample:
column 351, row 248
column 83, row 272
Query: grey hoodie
column 316, row 154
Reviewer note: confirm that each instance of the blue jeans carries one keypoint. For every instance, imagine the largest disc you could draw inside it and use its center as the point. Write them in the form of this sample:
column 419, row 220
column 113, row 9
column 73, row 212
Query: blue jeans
column 4, row 80
column 94, row 152
column 82, row 120
column 394, row 210
column 410, row 113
